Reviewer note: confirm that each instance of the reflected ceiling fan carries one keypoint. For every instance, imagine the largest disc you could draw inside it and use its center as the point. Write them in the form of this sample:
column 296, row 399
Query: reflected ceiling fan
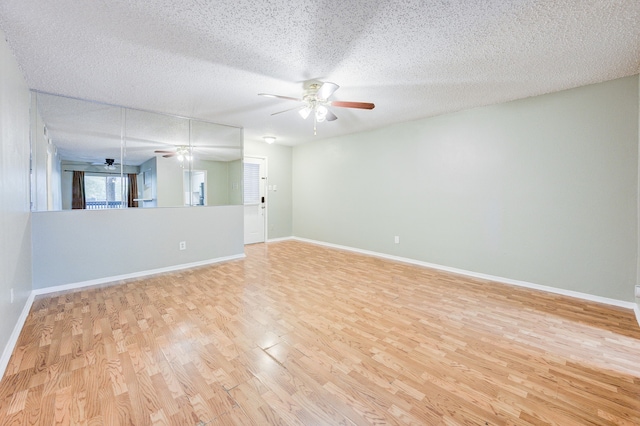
column 315, row 100
column 109, row 164
column 182, row 152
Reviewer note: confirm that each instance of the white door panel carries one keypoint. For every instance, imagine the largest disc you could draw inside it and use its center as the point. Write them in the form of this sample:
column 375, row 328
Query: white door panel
column 253, row 231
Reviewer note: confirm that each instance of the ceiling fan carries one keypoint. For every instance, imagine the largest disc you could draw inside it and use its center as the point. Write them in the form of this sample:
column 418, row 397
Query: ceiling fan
column 182, row 152
column 315, row 99
column 109, row 164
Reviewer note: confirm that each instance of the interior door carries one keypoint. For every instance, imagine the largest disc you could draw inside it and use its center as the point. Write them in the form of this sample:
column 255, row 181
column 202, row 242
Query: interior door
column 255, row 212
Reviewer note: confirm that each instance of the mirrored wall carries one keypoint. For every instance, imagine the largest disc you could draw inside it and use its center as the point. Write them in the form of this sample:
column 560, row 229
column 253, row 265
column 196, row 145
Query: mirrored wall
column 88, row 155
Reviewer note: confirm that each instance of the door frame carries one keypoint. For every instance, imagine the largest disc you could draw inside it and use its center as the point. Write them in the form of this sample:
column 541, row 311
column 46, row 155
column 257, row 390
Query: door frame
column 266, row 190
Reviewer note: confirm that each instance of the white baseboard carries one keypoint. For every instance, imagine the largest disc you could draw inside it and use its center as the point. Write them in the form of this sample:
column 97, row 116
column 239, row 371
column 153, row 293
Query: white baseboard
column 576, row 294
column 13, row 340
column 276, row 240
column 73, row 286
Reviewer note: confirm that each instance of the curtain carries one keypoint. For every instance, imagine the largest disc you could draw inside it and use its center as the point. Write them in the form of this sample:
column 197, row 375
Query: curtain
column 78, row 200
column 133, row 190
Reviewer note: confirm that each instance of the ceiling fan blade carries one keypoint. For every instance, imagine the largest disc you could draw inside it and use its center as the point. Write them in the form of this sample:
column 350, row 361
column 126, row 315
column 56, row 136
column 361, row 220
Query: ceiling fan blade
column 346, row 104
column 169, row 155
column 289, row 98
column 163, row 152
column 326, row 90
column 330, row 116
column 286, row 110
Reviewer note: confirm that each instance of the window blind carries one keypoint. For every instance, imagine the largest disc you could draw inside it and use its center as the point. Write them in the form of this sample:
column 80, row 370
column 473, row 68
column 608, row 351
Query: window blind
column 251, row 183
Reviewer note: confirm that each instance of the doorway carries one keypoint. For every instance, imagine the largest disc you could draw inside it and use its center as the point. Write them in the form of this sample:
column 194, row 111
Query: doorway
column 195, row 187
column 255, row 212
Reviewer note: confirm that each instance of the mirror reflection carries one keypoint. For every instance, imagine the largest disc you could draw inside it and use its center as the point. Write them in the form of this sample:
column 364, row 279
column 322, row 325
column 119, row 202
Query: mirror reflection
column 92, row 156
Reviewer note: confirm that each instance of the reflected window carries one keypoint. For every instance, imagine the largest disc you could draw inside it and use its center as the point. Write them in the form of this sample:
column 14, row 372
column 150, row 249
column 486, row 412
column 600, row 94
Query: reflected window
column 104, row 192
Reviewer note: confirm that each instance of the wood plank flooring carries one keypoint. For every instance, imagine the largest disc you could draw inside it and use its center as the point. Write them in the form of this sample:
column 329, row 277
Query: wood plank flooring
column 302, row 334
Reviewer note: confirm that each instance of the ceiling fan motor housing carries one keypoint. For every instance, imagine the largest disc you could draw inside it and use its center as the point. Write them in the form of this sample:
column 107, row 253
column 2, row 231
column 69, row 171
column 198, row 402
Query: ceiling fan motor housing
column 310, row 96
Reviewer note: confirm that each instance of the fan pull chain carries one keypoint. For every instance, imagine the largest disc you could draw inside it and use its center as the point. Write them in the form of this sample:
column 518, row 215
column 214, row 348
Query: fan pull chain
column 315, row 122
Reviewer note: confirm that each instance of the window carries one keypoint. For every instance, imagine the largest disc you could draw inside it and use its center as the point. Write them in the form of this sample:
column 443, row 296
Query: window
column 251, row 183
column 104, row 192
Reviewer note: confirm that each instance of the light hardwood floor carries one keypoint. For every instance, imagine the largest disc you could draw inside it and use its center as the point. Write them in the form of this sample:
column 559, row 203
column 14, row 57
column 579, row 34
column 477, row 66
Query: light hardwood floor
column 302, row 334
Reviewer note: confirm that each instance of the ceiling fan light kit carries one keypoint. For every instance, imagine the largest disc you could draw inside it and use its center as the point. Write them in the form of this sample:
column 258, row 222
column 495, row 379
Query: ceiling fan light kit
column 315, row 100
column 321, row 113
column 183, row 154
column 304, row 112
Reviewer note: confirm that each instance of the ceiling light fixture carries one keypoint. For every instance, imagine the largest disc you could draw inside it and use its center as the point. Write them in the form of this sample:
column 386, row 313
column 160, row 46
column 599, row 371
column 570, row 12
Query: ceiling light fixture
column 269, row 139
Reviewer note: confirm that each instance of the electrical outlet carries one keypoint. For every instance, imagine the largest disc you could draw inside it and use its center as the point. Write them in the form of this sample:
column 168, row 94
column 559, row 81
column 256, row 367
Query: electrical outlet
column 11, row 291
column 183, row 245
column 397, row 239
column 638, row 291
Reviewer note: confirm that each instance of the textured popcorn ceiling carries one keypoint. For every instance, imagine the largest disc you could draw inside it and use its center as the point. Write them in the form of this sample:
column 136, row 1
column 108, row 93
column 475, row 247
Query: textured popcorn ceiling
column 413, row 59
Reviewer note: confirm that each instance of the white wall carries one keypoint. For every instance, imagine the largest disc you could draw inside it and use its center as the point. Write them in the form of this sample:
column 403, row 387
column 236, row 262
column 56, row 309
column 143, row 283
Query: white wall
column 638, row 201
column 15, row 226
column 542, row 190
column 279, row 202
column 83, row 245
column 219, row 180
column 223, row 186
column 169, row 182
